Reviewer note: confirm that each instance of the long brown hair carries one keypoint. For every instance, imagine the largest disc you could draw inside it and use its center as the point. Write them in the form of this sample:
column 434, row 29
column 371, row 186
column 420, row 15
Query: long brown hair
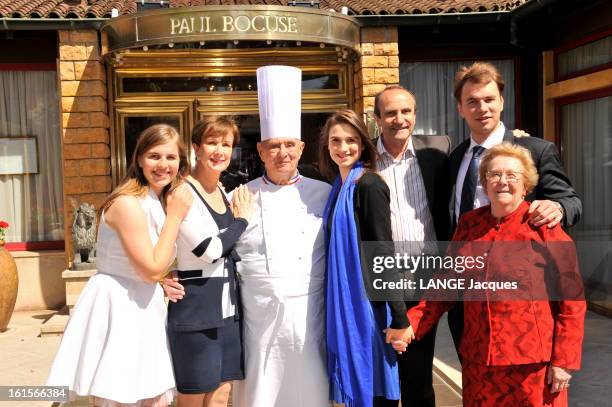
column 327, row 167
column 135, row 182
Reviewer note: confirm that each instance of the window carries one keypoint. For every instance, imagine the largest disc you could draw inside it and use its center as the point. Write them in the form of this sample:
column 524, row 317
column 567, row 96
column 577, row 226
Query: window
column 32, row 203
column 206, row 84
column 582, row 58
column 586, row 137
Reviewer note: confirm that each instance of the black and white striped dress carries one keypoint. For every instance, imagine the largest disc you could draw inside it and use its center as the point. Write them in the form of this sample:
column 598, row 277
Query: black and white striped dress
column 204, row 327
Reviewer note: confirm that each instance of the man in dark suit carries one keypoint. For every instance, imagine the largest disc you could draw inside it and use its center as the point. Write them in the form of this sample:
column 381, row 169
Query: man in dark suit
column 415, row 168
column 478, row 92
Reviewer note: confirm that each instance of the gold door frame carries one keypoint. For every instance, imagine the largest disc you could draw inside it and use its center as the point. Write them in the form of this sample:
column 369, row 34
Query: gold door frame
column 195, row 63
column 184, row 112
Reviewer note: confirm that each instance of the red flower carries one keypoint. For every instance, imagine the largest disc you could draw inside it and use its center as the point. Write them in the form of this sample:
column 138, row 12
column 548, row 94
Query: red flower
column 3, row 224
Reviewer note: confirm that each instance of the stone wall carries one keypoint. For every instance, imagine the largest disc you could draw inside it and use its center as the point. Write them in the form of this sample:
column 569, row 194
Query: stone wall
column 378, row 66
column 85, row 122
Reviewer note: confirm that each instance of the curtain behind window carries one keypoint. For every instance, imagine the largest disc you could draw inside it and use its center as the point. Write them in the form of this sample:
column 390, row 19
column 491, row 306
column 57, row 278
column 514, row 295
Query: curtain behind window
column 584, row 57
column 32, row 204
column 586, row 132
column 432, row 84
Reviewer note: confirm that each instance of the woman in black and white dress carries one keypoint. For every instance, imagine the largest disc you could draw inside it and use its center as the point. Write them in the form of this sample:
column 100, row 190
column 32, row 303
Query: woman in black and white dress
column 204, row 325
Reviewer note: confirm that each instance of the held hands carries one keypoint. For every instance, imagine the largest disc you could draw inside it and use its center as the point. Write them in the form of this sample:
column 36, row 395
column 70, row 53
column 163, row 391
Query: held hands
column 242, row 202
column 178, row 202
column 545, row 212
column 558, row 378
column 399, row 338
column 173, row 289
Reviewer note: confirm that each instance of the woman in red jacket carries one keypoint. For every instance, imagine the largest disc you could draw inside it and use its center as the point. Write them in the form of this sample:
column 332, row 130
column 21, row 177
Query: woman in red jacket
column 518, row 347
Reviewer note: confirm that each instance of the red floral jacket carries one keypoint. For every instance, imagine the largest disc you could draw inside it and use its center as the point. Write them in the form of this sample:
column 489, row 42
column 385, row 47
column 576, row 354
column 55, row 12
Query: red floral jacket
column 507, row 331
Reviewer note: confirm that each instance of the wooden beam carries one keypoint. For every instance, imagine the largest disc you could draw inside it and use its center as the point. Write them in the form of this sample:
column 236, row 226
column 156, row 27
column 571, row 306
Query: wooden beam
column 587, row 83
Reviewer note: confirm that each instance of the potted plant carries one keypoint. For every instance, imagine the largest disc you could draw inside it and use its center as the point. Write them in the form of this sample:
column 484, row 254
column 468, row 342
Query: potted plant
column 3, row 226
column 9, row 278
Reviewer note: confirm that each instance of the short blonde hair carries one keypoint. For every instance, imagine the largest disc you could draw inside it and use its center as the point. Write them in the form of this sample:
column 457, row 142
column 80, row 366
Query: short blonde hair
column 530, row 173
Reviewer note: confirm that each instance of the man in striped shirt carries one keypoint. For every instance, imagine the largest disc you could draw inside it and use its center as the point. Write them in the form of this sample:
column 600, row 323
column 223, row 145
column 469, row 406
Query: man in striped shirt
column 415, row 168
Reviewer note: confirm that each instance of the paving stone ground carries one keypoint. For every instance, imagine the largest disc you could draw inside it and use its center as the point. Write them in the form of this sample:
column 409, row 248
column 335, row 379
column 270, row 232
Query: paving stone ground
column 25, row 359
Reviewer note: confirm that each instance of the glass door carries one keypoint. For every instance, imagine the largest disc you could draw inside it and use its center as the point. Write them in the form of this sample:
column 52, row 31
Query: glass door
column 131, row 121
column 246, row 164
column 179, row 87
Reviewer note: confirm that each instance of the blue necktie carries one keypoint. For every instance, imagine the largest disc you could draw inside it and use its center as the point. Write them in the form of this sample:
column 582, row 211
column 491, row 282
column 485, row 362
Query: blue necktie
column 469, row 183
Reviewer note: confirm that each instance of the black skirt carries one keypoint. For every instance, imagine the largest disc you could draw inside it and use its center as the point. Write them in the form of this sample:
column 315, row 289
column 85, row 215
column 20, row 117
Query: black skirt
column 204, row 359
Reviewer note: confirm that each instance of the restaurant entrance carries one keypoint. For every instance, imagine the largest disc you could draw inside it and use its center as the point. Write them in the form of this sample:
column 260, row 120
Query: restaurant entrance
column 179, row 87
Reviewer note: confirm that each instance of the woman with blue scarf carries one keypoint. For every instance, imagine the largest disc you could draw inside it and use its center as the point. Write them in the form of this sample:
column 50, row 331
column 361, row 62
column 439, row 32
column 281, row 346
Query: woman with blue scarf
column 362, row 367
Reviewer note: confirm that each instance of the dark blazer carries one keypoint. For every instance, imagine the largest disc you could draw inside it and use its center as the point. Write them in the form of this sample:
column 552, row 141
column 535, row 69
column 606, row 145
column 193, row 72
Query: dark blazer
column 553, row 183
column 432, row 155
column 373, row 220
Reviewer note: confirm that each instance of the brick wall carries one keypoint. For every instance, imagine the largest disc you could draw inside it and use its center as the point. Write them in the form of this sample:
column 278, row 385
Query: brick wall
column 85, row 122
column 378, row 66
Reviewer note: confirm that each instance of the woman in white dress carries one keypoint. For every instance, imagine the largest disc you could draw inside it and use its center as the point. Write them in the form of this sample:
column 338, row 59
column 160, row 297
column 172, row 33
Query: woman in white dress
column 115, row 347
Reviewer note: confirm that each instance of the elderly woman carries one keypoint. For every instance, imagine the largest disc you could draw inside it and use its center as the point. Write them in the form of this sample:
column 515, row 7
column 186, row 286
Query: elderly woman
column 515, row 351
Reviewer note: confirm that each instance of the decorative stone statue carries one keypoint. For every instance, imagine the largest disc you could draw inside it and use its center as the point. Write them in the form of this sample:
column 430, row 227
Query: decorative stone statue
column 84, row 235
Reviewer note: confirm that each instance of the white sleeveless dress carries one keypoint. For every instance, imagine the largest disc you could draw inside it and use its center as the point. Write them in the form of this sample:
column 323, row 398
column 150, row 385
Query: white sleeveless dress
column 115, row 346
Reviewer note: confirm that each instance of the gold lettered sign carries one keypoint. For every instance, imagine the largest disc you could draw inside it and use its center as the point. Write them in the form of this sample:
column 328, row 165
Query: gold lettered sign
column 225, row 23
column 241, row 23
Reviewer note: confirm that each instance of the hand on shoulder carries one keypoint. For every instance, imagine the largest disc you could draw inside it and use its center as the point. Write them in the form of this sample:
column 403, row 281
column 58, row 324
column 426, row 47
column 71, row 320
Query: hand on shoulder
column 242, row 202
column 520, row 133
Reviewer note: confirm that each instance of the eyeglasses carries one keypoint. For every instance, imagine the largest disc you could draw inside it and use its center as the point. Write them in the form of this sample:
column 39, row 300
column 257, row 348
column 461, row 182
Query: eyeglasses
column 496, row 176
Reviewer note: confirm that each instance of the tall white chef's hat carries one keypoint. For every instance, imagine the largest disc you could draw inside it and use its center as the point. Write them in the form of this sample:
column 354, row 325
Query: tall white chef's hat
column 279, row 91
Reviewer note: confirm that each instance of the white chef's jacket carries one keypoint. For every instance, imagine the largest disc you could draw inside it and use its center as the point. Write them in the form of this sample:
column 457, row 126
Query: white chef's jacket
column 282, row 276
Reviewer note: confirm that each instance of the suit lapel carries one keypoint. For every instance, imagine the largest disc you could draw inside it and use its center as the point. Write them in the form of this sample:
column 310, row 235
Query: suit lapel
column 454, row 163
column 456, row 158
column 509, row 137
column 426, row 171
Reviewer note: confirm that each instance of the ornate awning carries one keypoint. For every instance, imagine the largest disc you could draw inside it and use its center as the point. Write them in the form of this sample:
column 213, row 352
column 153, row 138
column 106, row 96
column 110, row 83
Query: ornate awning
column 229, row 23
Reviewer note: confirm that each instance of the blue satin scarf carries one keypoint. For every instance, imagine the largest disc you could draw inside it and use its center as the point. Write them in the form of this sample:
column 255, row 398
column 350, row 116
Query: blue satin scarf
column 360, row 364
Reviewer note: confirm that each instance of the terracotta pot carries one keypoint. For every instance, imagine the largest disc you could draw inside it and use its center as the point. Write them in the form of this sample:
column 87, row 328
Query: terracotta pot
column 8, row 288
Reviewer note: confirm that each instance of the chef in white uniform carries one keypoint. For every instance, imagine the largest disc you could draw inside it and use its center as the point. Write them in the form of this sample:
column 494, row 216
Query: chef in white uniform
column 282, row 271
